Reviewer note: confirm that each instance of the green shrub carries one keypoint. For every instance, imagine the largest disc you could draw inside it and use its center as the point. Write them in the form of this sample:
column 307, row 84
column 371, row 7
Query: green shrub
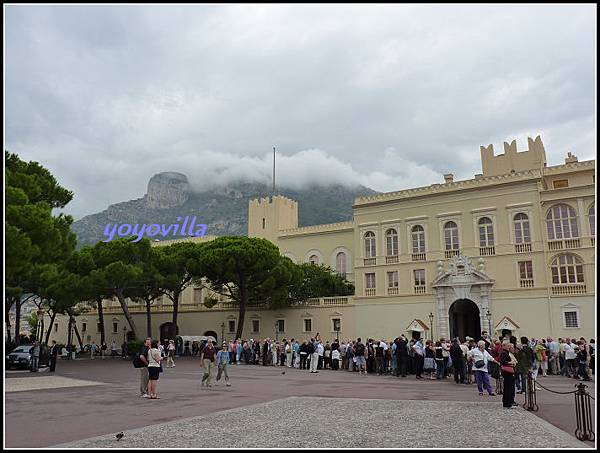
column 134, row 347
column 210, row 302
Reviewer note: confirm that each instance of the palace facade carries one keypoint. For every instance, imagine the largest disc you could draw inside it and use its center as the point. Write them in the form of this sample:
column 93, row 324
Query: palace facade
column 510, row 251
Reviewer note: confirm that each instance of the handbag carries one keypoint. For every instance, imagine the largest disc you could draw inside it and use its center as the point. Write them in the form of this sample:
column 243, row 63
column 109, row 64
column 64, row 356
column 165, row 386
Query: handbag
column 507, row 369
column 429, row 364
column 479, row 364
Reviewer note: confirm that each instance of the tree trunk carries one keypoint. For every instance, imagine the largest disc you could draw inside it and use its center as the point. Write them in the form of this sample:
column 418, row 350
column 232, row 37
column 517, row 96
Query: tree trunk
column 17, row 321
column 242, row 311
column 148, row 319
column 7, row 306
column 119, row 295
column 101, row 319
column 69, row 338
column 175, row 300
column 50, row 327
column 77, row 333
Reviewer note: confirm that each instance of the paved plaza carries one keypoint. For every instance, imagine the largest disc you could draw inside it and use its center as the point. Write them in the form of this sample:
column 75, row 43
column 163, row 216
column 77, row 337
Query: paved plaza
column 282, row 408
column 347, row 422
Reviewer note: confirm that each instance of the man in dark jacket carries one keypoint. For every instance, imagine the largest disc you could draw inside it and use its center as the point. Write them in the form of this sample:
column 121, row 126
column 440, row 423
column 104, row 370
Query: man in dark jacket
column 456, row 354
column 402, row 355
column 53, row 356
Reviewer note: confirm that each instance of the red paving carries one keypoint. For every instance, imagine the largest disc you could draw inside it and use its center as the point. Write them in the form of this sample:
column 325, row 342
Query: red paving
column 42, row 418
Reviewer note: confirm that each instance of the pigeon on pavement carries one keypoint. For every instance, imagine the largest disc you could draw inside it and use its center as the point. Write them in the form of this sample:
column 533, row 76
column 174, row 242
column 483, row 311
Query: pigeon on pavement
column 119, row 436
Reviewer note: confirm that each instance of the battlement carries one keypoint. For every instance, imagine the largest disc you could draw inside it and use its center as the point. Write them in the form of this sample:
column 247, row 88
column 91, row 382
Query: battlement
column 267, row 216
column 277, row 199
column 534, row 158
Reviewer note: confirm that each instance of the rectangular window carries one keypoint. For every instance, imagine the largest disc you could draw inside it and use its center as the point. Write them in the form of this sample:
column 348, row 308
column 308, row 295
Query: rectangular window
column 231, row 325
column 571, row 319
column 370, row 281
column 280, row 325
column 255, row 326
column 419, row 277
column 115, row 327
column 83, row 326
column 392, row 279
column 560, row 183
column 55, row 327
column 308, row 325
column 525, row 270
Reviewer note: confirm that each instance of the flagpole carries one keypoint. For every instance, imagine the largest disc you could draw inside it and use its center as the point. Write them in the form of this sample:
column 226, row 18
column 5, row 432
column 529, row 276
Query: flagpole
column 273, row 171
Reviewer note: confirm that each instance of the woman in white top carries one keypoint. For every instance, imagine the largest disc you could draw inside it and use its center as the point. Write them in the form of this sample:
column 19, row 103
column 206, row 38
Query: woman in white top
column 480, row 358
column 170, row 354
column 154, row 359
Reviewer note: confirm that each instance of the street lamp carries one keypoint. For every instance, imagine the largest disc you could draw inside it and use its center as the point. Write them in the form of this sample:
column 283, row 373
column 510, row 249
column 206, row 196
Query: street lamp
column 276, row 332
column 222, row 331
column 431, row 324
column 488, row 315
column 124, row 334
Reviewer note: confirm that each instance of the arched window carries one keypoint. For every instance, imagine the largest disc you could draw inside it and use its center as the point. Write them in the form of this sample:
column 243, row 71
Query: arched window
column 486, row 232
column 451, row 235
column 370, row 245
column 567, row 268
column 562, row 222
column 340, row 264
column 418, row 239
column 592, row 219
column 522, row 235
column 314, row 259
column 391, row 241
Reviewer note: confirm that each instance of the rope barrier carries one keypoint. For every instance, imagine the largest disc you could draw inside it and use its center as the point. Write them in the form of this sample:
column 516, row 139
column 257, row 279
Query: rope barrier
column 554, row 391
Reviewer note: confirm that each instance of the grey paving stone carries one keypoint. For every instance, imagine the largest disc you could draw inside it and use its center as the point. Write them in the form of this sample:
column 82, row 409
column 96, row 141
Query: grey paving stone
column 308, row 422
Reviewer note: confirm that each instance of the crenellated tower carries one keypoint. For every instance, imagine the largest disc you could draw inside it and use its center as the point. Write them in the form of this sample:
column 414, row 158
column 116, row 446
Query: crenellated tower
column 268, row 216
column 512, row 160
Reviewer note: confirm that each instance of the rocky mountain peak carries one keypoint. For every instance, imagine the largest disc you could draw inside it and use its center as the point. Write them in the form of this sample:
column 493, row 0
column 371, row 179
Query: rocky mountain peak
column 167, row 190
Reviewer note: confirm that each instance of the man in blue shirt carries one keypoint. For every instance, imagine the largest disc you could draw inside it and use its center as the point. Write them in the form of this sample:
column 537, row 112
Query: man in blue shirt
column 419, row 358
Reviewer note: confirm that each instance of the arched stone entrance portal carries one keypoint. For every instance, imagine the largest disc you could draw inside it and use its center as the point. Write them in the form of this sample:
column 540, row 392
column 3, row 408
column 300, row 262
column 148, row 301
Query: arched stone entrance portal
column 461, row 281
column 464, row 319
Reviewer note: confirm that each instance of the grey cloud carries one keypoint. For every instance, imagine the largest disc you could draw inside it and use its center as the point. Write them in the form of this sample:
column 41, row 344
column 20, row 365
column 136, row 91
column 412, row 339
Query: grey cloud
column 386, row 96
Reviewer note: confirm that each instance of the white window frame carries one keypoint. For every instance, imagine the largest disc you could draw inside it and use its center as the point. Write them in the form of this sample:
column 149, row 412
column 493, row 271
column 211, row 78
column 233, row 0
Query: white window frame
column 367, row 280
column 526, row 209
column 397, row 244
column 519, row 269
column 252, row 325
column 487, row 233
column 373, row 248
column 574, row 264
column 415, row 277
column 444, row 245
column 277, row 321
column 397, row 281
column 570, row 308
column 521, row 222
column 561, row 221
column 304, row 325
column 229, row 321
column 592, row 224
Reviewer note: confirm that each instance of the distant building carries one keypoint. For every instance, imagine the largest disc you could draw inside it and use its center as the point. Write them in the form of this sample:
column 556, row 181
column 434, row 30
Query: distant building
column 511, row 250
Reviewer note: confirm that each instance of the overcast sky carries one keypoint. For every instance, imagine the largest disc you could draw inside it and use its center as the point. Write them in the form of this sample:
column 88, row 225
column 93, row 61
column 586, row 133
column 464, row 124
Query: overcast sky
column 390, row 97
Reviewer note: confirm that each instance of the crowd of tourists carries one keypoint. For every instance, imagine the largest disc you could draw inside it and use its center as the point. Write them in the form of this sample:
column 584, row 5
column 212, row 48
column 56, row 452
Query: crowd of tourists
column 508, row 360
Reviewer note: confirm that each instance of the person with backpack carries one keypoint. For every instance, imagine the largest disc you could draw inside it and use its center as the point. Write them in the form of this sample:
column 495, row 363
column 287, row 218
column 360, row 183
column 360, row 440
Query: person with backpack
column 401, row 354
column 359, row 355
column 140, row 360
column 313, row 355
column 456, row 354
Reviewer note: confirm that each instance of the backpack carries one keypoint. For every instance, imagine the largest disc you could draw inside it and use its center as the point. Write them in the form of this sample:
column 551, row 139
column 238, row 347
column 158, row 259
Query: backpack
column 137, row 362
column 310, row 348
column 360, row 349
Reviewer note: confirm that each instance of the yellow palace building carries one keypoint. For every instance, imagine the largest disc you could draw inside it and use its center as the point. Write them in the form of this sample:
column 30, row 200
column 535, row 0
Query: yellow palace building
column 510, row 251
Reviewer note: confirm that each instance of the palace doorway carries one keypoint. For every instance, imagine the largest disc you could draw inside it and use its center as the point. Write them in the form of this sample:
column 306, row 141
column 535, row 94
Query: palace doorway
column 464, row 319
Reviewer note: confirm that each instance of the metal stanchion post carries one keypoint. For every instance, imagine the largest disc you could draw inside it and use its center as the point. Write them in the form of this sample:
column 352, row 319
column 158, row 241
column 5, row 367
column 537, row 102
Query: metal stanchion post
column 530, row 396
column 583, row 411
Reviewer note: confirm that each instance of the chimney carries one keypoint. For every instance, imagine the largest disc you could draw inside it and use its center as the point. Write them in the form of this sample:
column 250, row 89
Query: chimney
column 570, row 158
column 449, row 177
